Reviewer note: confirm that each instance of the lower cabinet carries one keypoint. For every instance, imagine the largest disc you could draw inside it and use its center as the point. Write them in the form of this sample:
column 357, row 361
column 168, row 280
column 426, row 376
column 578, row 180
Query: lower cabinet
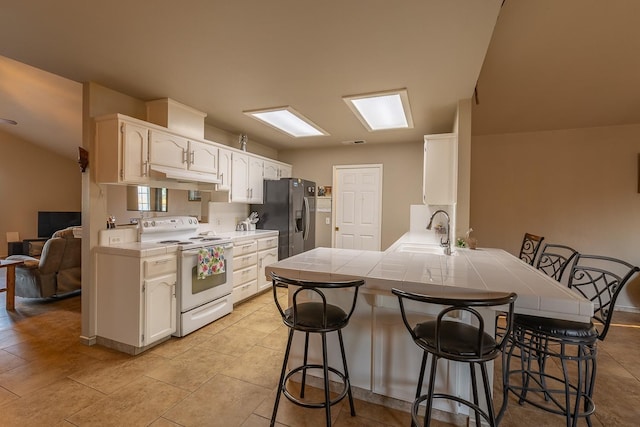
column 137, row 300
column 250, row 257
column 267, row 254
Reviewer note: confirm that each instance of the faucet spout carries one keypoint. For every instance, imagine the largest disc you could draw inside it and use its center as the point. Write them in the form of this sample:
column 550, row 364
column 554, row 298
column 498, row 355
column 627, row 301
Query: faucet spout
column 446, row 244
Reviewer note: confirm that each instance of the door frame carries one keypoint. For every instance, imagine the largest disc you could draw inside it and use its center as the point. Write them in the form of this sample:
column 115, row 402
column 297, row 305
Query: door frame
column 336, row 192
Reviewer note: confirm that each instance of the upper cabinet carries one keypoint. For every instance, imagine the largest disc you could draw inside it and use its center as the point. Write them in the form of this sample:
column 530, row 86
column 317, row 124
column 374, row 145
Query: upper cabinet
column 246, row 178
column 123, row 151
column 166, row 149
column 132, row 151
column 275, row 170
column 440, row 169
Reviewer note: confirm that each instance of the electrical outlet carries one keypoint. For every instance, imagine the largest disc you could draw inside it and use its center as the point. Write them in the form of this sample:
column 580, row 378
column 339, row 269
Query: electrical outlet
column 115, row 240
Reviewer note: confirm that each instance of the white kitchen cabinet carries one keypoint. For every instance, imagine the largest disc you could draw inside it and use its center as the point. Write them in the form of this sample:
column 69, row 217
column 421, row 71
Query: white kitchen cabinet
column 245, row 271
column 267, row 255
column 246, row 178
column 224, row 170
column 122, row 151
column 203, row 157
column 166, row 149
column 440, row 169
column 137, row 300
column 174, row 151
column 285, row 171
column 271, row 170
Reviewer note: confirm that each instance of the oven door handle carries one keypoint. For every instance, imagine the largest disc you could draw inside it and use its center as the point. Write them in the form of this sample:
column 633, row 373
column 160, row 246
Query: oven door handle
column 189, row 252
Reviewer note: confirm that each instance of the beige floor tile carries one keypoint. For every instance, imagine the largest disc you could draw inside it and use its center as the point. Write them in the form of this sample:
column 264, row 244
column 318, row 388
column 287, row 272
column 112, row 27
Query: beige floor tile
column 234, row 340
column 110, row 377
column 163, row 422
column 222, row 401
column 178, row 345
column 137, row 404
column 192, row 368
column 260, row 366
column 261, row 321
column 49, row 405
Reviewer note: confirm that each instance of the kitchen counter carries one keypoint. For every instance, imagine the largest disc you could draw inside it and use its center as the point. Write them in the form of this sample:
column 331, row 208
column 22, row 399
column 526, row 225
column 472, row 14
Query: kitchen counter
column 383, row 360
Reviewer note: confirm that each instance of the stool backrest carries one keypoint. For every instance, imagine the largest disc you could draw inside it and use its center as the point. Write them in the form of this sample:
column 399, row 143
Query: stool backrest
column 318, row 288
column 555, row 259
column 469, row 304
column 600, row 279
column 529, row 249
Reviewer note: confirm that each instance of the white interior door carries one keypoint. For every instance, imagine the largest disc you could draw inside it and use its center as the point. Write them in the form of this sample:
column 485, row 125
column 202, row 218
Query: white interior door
column 357, row 206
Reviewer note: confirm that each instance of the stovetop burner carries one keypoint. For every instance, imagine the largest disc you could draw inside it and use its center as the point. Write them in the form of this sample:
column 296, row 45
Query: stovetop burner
column 169, row 241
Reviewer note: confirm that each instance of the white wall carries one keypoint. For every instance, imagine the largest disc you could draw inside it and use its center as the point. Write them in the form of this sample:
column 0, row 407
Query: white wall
column 577, row 187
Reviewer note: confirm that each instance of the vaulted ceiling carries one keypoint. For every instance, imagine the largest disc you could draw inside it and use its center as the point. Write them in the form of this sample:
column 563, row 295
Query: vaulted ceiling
column 545, row 64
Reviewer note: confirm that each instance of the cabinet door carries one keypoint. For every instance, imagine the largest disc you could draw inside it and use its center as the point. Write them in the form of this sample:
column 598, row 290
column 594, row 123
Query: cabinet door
column 168, row 150
column 271, row 170
column 239, row 177
column 265, row 258
column 203, row 157
column 256, row 180
column 285, row 171
column 224, row 170
column 440, row 169
column 159, row 308
column 135, row 153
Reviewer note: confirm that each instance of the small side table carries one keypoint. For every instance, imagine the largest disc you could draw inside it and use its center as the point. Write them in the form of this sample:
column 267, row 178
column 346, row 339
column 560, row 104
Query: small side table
column 10, row 265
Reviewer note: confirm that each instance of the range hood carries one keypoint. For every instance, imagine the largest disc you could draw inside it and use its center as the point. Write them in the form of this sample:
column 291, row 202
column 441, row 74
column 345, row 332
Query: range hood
column 182, row 175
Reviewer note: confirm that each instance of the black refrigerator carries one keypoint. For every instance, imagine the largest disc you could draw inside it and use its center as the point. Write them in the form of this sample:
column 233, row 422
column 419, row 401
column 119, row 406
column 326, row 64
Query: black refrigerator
column 289, row 207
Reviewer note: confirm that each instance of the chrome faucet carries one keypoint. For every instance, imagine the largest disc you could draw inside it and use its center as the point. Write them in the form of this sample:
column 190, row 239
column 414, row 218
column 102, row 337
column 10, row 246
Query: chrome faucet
column 446, row 244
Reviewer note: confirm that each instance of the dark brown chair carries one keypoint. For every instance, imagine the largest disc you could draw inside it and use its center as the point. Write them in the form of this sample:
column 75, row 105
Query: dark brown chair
column 554, row 260
column 530, row 246
column 537, row 339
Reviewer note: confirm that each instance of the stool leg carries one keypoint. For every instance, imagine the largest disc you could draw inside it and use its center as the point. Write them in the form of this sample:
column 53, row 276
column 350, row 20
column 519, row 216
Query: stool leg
column 423, row 366
column 432, row 383
column 474, row 388
column 325, row 368
column 346, row 374
column 487, row 393
column 304, row 363
column 282, row 374
column 506, row 367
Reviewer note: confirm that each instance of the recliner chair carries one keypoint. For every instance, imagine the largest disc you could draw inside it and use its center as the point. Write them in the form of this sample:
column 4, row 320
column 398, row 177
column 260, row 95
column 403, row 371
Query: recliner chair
column 57, row 272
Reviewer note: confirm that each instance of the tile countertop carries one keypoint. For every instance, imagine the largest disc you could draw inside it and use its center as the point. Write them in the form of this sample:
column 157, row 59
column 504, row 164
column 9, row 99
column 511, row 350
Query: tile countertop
column 484, row 269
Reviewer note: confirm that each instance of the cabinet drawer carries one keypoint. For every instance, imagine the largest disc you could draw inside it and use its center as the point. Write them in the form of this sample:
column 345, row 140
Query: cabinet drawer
column 244, row 275
column 160, row 265
column 245, row 291
column 245, row 247
column 244, row 261
column 268, row 243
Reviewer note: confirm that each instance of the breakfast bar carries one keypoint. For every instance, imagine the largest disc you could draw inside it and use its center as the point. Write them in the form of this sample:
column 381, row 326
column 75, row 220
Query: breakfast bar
column 383, row 360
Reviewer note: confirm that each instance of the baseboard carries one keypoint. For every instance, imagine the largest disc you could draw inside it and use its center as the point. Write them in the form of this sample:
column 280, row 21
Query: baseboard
column 628, row 309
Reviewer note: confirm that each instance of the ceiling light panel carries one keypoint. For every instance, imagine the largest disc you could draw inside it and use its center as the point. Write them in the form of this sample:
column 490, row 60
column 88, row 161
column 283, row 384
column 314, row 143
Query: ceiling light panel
column 287, row 120
column 382, row 110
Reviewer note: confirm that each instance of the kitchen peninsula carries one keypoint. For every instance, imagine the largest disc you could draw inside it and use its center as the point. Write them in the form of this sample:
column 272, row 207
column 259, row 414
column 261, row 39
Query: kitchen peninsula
column 383, row 360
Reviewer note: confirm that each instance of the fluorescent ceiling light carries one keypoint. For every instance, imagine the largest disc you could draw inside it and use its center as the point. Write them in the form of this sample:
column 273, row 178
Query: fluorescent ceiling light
column 382, row 110
column 287, row 120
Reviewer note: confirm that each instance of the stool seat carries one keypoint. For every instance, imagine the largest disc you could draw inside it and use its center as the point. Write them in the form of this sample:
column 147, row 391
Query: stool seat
column 457, row 339
column 310, row 317
column 558, row 328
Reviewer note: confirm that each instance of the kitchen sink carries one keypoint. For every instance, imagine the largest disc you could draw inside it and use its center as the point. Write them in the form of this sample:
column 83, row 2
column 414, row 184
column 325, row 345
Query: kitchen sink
column 420, row 248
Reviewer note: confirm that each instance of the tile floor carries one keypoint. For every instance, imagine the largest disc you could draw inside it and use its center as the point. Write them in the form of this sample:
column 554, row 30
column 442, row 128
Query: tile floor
column 222, row 375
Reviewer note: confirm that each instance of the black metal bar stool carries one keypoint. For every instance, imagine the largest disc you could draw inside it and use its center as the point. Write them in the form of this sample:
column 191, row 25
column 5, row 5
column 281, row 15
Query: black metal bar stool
column 447, row 337
column 537, row 340
column 314, row 317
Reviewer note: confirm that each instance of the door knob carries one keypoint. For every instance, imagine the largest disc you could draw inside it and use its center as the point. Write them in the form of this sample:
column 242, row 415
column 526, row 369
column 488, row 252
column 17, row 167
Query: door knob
column 337, row 228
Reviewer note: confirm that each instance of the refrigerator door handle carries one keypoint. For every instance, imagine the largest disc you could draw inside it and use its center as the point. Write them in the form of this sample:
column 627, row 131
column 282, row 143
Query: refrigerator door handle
column 305, row 232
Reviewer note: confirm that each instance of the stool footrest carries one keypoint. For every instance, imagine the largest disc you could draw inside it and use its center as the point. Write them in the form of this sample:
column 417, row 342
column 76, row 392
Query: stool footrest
column 302, row 403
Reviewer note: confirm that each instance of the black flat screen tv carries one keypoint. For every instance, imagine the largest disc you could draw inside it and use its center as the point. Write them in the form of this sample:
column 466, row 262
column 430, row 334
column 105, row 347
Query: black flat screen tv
column 50, row 222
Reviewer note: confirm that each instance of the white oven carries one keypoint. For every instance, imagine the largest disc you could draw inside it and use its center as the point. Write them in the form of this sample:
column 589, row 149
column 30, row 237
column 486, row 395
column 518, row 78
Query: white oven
column 201, row 301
